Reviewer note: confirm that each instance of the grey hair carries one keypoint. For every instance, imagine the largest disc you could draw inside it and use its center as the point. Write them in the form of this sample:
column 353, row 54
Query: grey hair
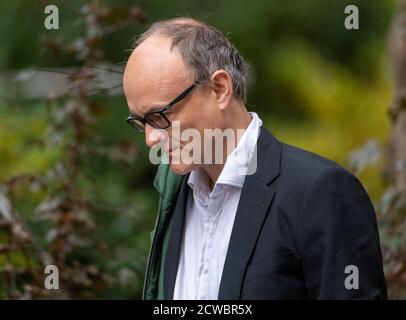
column 204, row 49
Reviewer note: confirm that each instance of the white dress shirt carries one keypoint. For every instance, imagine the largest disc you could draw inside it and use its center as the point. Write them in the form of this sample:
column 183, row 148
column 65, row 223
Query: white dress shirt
column 209, row 221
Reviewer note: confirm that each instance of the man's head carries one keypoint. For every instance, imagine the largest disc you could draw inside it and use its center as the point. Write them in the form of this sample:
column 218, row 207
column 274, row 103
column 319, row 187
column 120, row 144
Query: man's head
column 169, row 57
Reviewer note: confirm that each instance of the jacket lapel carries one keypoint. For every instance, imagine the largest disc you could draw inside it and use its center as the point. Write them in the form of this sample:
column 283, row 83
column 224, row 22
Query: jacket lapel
column 175, row 241
column 256, row 198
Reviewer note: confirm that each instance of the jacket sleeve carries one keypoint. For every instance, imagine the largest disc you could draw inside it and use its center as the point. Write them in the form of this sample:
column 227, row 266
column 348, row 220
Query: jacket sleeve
column 338, row 239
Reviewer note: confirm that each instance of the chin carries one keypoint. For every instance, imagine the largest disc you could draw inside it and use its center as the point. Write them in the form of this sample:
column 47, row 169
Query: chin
column 181, row 168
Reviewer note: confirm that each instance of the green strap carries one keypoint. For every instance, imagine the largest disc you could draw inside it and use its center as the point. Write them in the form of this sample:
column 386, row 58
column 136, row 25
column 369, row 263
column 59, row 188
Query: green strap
column 161, row 295
column 167, row 183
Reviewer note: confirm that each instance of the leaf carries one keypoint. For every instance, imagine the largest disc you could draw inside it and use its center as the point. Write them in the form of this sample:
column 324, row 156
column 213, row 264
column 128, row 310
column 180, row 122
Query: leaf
column 49, row 206
column 24, row 76
column 5, row 205
column 368, row 154
column 19, row 233
column 126, row 276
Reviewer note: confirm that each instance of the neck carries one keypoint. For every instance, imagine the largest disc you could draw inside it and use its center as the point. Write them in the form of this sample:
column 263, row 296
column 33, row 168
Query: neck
column 240, row 120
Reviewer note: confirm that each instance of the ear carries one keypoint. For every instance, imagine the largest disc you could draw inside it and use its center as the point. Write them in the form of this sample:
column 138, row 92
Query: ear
column 223, row 88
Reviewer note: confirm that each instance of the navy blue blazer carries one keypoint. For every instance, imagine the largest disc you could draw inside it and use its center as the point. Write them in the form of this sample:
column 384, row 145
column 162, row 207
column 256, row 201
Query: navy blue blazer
column 301, row 220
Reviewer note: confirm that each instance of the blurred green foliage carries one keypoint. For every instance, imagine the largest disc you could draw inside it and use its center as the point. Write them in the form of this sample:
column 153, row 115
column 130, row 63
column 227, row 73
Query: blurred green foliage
column 315, row 84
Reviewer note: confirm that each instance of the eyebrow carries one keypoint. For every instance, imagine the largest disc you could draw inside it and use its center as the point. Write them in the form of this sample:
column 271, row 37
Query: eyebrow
column 156, row 108
column 152, row 109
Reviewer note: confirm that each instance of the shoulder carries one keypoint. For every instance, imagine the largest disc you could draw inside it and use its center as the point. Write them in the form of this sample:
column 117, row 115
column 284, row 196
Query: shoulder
column 303, row 172
column 321, row 188
column 293, row 161
column 304, row 163
column 311, row 168
column 296, row 168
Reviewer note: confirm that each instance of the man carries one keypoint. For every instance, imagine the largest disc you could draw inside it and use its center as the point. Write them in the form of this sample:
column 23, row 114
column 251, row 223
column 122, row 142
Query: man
column 270, row 221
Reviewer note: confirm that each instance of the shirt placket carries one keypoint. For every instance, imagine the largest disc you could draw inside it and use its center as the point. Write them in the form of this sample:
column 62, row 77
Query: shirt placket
column 213, row 212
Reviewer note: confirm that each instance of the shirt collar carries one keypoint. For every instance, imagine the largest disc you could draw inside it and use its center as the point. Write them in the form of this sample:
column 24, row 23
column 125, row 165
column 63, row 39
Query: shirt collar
column 236, row 166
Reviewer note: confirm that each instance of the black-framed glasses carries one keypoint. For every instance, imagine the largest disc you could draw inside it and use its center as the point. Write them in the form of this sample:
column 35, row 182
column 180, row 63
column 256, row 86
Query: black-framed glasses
column 157, row 119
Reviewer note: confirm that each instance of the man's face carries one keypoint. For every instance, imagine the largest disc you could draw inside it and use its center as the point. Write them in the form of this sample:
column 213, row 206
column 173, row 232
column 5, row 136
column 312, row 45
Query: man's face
column 153, row 77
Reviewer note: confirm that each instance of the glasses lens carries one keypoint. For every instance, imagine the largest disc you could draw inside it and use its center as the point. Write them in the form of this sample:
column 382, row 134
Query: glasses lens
column 157, row 120
column 137, row 124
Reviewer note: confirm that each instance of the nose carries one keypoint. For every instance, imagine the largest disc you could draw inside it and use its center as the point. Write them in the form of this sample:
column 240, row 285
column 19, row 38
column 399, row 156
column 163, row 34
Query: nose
column 153, row 136
column 150, row 139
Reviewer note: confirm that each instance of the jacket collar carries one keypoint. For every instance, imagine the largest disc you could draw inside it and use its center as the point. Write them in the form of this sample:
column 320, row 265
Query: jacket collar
column 256, row 198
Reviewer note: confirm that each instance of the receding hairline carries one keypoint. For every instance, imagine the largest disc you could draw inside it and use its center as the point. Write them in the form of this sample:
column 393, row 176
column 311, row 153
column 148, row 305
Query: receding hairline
column 159, row 28
column 204, row 49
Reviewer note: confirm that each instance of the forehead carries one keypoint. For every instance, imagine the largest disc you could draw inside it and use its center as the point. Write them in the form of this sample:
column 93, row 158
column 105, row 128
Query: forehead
column 154, row 74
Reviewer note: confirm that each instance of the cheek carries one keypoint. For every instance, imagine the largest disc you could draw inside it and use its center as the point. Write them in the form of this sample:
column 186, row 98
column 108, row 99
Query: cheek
column 203, row 116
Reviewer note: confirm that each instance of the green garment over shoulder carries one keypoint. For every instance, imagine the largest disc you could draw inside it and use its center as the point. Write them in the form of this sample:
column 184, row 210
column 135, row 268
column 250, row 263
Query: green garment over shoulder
column 168, row 184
